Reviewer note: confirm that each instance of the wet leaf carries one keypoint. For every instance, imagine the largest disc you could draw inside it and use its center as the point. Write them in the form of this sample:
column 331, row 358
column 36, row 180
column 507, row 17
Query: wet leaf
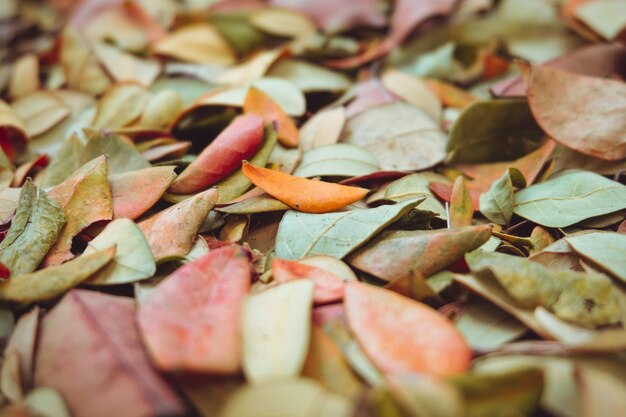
column 394, row 253
column 493, row 130
column 89, row 323
column 604, row 249
column 587, row 299
column 53, row 281
column 259, row 104
column 334, row 234
column 240, row 140
column 397, row 333
column 461, row 206
column 338, row 160
column 302, row 194
column 191, row 320
column 555, row 99
column 328, row 286
column 34, row 230
column 276, row 331
column 570, row 198
column 170, row 232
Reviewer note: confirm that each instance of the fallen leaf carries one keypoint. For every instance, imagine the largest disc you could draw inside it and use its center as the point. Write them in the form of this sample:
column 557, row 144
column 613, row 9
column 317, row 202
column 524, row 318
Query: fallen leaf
column 24, row 76
column 276, row 326
column 394, row 253
column 197, row 43
column 162, row 108
column 570, row 198
column 121, row 154
column 171, row 232
column 12, row 131
column 51, row 282
column 337, row 160
column 309, row 78
column 328, row 286
column 191, row 320
column 120, row 105
column 461, row 206
column 23, row 341
column 134, row 192
column 40, row 111
column 133, row 259
column 554, row 98
column 334, row 234
column 324, row 128
column 486, row 326
column 80, row 66
column 259, row 104
column 414, row 91
column 240, row 140
column 34, row 230
column 302, row 194
column 497, row 203
column 605, row 17
column 251, row 69
column 85, row 323
column 396, row 333
column 603, row 249
column 282, row 22
column 125, row 67
column 46, row 402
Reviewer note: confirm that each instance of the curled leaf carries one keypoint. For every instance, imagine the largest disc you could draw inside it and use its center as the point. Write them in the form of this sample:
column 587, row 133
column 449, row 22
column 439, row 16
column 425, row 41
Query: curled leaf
column 258, row 103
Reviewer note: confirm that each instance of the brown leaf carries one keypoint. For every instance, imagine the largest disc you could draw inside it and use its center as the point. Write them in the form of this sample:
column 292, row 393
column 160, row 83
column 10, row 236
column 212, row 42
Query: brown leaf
column 88, row 329
column 191, row 320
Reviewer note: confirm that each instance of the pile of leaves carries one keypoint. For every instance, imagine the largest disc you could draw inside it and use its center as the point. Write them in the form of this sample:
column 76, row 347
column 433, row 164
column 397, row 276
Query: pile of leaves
column 320, row 208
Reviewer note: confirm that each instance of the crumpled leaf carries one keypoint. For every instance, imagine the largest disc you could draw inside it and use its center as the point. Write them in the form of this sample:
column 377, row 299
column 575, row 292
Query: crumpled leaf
column 393, row 254
column 171, row 232
column 328, row 286
column 191, row 320
column 260, row 104
column 34, row 230
column 338, row 160
column 133, row 258
column 497, row 203
column 87, row 325
column 493, row 130
column 607, row 250
column 397, row 333
column 276, row 326
column 557, row 99
column 240, row 140
column 134, row 192
column 90, row 184
column 587, row 299
column 335, row 234
column 401, row 136
column 53, row 281
column 570, row 198
column 303, row 194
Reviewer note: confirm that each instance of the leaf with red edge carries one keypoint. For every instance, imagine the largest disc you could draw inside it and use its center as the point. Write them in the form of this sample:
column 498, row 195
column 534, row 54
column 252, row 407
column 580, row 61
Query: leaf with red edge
column 328, row 286
column 401, row 335
column 90, row 351
column 134, row 192
column 239, row 141
column 583, row 113
column 191, row 320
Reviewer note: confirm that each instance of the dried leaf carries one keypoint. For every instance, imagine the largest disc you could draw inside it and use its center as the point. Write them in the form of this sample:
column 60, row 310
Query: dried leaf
column 276, row 326
column 81, row 68
column 338, row 160
column 605, row 17
column 397, row 333
column 122, row 156
column 334, row 234
column 24, row 76
column 309, row 78
column 171, row 232
column 34, row 230
column 393, row 254
column 302, row 194
column 22, row 342
column 570, row 198
column 120, row 105
column 461, row 206
column 258, row 103
column 240, row 140
column 604, row 249
column 197, row 43
column 497, row 203
column 53, row 281
column 485, row 326
column 85, row 324
column 134, row 192
column 40, row 111
column 555, row 99
column 414, row 91
column 126, row 67
column 191, row 320
column 328, row 286
column 324, row 128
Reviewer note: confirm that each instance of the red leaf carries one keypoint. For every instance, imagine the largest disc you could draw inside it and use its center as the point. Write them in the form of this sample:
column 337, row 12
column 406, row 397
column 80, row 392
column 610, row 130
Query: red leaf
column 328, row 286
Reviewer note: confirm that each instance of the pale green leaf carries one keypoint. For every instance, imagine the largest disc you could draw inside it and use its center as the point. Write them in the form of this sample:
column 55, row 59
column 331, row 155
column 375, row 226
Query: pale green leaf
column 497, row 203
column 341, row 160
column 607, row 250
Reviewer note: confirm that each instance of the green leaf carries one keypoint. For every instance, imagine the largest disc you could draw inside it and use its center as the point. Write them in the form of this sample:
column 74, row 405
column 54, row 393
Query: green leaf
column 341, row 160
column 497, row 203
column 587, row 299
column 493, row 130
column 607, row 250
column 34, row 230
column 309, row 78
column 336, row 234
column 133, row 258
column 51, row 282
column 260, row 204
column 64, row 163
column 393, row 254
column 570, row 198
column 414, row 186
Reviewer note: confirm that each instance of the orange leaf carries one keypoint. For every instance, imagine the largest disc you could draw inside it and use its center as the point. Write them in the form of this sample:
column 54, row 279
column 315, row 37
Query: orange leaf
column 328, row 286
column 257, row 102
column 240, row 140
column 401, row 335
column 134, row 192
column 302, row 194
column 450, row 95
column 191, row 320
